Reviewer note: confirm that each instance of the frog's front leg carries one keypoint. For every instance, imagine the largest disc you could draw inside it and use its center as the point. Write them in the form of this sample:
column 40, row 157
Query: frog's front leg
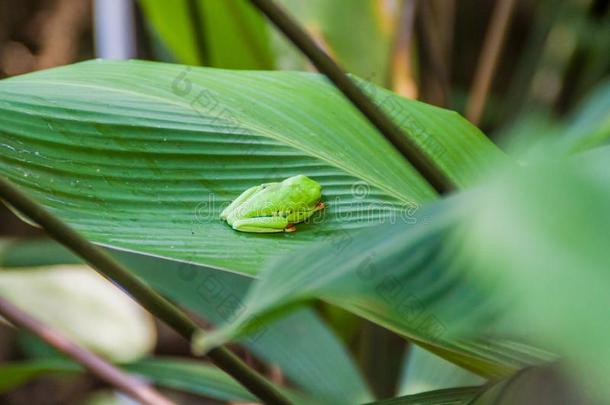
column 263, row 225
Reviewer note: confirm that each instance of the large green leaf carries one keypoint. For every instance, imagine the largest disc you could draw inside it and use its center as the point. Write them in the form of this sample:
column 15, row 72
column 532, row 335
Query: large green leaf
column 234, row 33
column 308, row 354
column 531, row 263
column 142, row 156
column 407, row 277
column 542, row 240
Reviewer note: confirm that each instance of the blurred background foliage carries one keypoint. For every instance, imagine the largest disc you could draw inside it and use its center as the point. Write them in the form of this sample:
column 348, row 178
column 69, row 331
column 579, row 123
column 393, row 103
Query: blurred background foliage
column 551, row 83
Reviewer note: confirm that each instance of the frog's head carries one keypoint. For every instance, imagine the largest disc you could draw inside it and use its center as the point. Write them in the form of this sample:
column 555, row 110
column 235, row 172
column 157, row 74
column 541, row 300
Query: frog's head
column 303, row 189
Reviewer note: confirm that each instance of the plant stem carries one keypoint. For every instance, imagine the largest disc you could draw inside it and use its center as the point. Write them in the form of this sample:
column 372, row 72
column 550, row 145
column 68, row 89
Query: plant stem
column 196, row 21
column 580, row 60
column 401, row 71
column 405, row 145
column 489, row 59
column 143, row 294
column 99, row 367
column 434, row 35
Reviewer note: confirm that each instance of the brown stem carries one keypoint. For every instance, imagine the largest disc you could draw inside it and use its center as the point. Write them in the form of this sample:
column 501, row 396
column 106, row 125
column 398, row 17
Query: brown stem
column 196, row 21
column 401, row 73
column 425, row 165
column 61, row 32
column 99, row 367
column 434, row 26
column 489, row 59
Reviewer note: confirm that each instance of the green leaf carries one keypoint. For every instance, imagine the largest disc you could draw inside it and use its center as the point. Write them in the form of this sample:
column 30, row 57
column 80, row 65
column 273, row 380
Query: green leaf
column 184, row 375
column 190, row 376
column 33, row 253
column 540, row 240
column 540, row 385
column 406, row 277
column 424, row 371
column 13, row 374
column 448, row 396
column 173, row 26
column 589, row 125
column 536, row 385
column 142, row 156
column 234, row 33
column 302, row 345
column 531, row 263
column 586, row 128
column 331, row 23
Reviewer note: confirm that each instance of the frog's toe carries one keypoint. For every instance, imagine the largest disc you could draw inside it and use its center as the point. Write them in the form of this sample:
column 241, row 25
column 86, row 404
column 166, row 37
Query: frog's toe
column 291, row 228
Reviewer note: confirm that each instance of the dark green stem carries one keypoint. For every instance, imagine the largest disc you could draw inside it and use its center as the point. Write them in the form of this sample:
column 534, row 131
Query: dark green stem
column 143, row 294
column 196, row 21
column 405, row 145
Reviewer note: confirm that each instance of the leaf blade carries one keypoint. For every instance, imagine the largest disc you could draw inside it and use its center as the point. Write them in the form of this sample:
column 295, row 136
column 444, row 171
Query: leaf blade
column 110, row 145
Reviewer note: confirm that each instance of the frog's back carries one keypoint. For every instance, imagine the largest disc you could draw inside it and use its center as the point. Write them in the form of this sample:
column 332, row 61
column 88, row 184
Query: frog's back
column 293, row 194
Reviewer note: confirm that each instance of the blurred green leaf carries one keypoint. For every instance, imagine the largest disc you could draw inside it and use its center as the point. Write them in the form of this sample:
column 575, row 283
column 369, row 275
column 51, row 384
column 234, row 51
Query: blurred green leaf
column 540, row 242
column 133, row 155
column 535, row 385
column 331, row 25
column 190, row 376
column 540, row 133
column 448, row 396
column 302, row 345
column 13, row 374
column 406, row 277
column 424, row 371
column 234, row 34
column 183, row 375
column 589, row 125
column 33, row 253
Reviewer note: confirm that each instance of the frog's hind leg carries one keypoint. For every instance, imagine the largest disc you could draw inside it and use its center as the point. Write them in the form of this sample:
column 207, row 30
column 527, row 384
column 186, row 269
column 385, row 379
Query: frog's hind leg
column 239, row 200
column 263, row 225
column 301, row 216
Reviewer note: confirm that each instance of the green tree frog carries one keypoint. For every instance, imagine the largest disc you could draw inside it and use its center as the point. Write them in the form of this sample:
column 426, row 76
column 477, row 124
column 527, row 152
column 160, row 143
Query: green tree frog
column 274, row 207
